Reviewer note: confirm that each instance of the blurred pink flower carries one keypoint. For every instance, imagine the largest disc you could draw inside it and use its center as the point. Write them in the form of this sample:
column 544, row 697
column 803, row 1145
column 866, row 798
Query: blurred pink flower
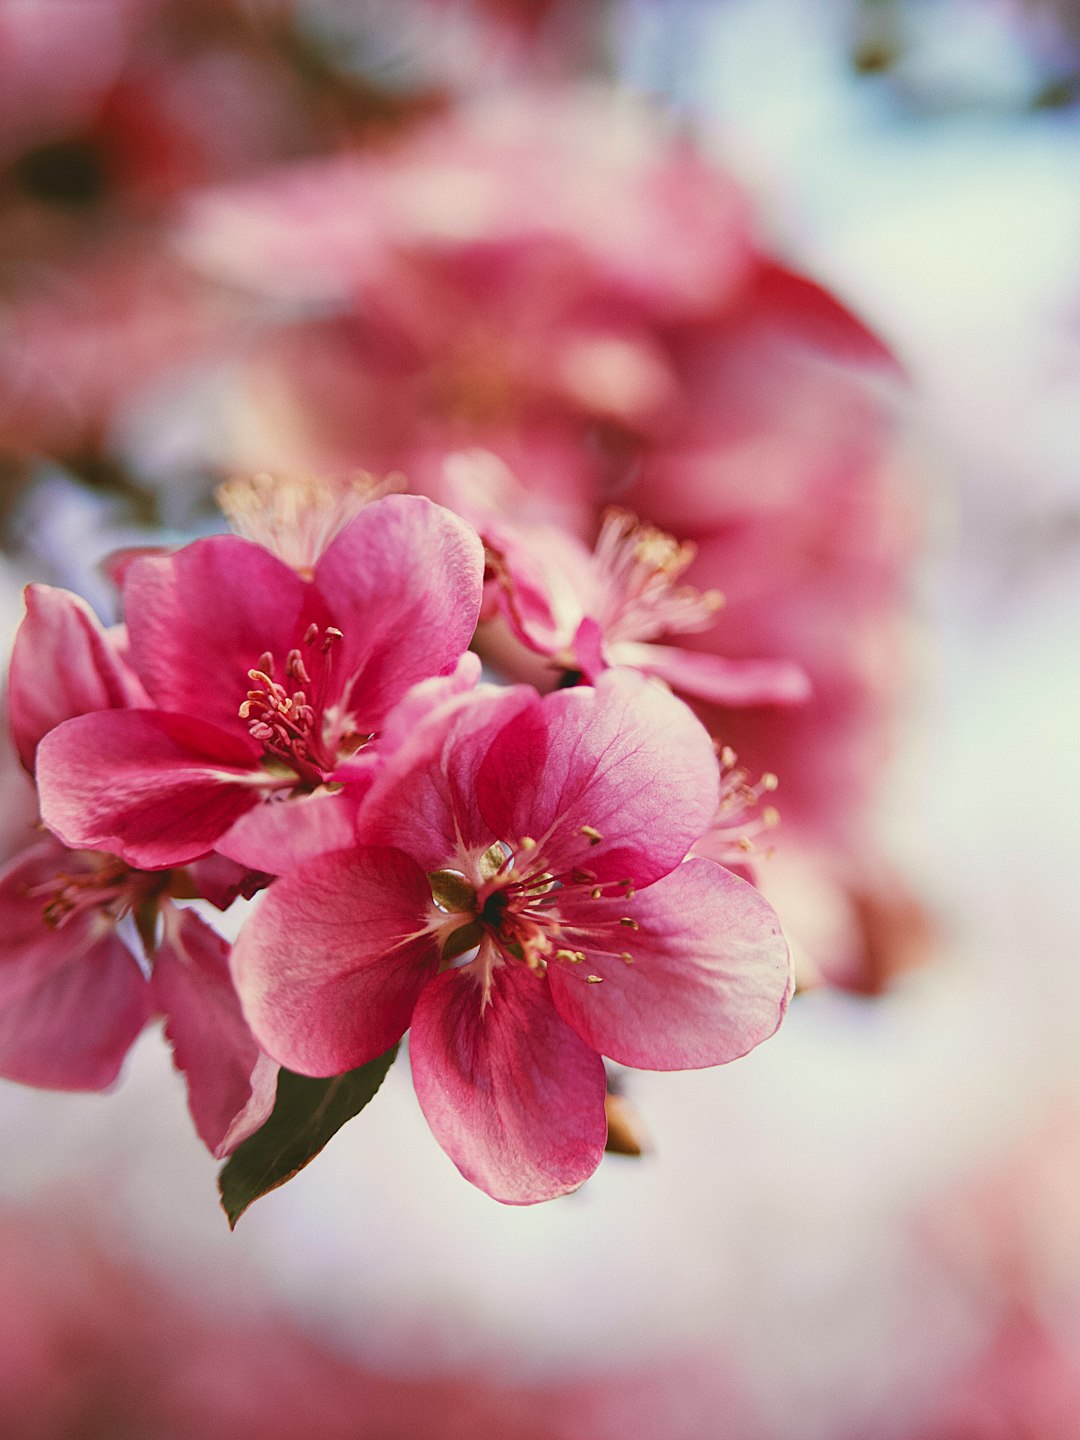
column 588, row 610
column 545, row 839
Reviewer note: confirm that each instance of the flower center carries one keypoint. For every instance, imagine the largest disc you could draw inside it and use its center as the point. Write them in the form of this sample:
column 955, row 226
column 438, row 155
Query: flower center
column 290, row 718
column 107, row 884
column 522, row 908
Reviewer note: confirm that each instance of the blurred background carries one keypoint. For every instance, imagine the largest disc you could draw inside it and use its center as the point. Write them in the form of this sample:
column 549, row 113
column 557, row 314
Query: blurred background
column 799, row 282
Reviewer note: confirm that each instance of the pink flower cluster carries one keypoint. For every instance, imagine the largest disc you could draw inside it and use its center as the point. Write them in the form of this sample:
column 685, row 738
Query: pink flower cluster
column 508, row 876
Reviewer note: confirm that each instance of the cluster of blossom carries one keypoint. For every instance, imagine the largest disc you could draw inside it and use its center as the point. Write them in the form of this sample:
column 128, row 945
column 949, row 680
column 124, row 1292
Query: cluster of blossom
column 523, row 882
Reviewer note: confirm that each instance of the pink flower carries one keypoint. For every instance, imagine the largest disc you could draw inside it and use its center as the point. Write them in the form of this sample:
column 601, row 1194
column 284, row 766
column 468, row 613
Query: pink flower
column 74, row 996
column 589, row 610
column 267, row 686
column 518, row 898
column 93, row 946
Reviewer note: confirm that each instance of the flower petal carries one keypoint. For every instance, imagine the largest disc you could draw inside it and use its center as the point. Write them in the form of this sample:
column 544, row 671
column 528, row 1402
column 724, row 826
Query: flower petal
column 709, row 977
column 716, row 678
column 154, row 788
column 279, row 836
column 404, row 580
column 424, row 800
column 72, row 998
column 329, row 967
column 626, row 761
column 63, row 664
column 512, row 1094
column 201, row 618
column 231, row 1082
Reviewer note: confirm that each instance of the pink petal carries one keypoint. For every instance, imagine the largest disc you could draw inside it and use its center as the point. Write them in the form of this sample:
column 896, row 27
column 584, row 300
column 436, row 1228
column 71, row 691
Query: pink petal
column 201, row 618
column 231, row 1083
column 512, row 1094
column 63, row 664
column 330, row 965
column 404, row 580
column 154, row 788
column 423, row 699
column 221, row 880
column 811, row 314
column 712, row 677
column 279, row 836
column 626, row 759
column 710, row 975
column 72, row 999
column 424, row 799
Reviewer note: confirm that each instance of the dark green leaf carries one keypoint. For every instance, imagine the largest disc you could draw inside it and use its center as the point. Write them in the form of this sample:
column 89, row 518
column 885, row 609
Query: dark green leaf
column 306, row 1114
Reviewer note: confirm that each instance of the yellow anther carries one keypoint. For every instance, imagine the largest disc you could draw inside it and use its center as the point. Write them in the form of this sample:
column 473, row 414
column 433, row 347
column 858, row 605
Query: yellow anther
column 591, row 834
column 769, row 781
column 595, row 979
column 629, row 922
column 625, row 955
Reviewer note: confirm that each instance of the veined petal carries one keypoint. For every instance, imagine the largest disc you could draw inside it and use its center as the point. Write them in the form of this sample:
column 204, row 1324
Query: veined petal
column 231, row 1082
column 512, row 1094
column 279, row 836
column 154, row 788
column 424, row 800
column 63, row 664
column 716, row 678
column 404, row 579
column 201, row 618
column 621, row 779
column 329, row 967
column 709, row 974
column 72, row 998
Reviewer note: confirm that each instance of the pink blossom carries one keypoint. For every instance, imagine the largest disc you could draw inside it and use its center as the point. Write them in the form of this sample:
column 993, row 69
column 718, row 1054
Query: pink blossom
column 95, row 946
column 74, row 996
column 269, row 686
column 519, row 898
column 588, row 610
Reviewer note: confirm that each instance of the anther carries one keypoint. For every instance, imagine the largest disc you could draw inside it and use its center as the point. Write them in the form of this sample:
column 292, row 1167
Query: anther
column 527, row 843
column 629, row 922
column 595, row 979
column 295, row 668
column 769, row 781
column 595, row 894
column 311, row 634
column 625, row 955
column 332, row 636
column 591, row 834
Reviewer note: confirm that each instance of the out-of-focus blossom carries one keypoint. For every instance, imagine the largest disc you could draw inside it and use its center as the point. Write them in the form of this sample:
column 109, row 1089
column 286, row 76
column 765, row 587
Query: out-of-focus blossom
column 587, row 611
column 547, row 836
column 267, row 686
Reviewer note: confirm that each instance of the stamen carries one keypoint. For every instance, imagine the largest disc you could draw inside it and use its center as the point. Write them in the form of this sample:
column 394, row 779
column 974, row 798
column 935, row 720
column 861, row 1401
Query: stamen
column 739, row 822
column 637, row 566
column 591, row 834
column 297, row 516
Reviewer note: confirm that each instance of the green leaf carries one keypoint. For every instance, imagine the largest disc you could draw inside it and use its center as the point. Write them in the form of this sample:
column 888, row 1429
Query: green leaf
column 307, row 1114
